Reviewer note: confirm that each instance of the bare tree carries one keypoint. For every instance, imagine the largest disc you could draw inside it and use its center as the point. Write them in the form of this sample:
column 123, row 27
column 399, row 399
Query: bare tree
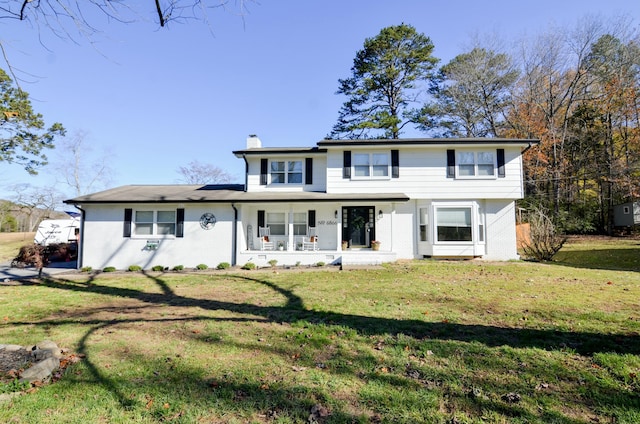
column 79, row 167
column 203, row 173
column 35, row 203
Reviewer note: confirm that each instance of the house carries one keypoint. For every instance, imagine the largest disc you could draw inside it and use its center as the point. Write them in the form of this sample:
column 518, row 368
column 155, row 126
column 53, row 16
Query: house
column 341, row 201
column 626, row 215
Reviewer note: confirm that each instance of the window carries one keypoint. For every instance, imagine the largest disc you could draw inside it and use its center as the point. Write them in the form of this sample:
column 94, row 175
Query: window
column 424, row 224
column 476, row 164
column 453, row 224
column 300, row 224
column 147, row 223
column 286, row 172
column 371, row 165
column 276, row 223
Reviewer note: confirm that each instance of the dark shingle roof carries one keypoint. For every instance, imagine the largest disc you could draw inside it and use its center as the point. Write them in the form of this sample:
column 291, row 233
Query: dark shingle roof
column 219, row 193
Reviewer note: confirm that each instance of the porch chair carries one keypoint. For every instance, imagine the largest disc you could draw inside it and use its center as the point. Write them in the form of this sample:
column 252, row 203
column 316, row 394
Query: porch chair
column 265, row 243
column 310, row 242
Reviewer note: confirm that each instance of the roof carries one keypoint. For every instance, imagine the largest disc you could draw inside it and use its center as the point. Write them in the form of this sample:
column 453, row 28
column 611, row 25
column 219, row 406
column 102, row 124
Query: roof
column 430, row 142
column 279, row 151
column 220, row 193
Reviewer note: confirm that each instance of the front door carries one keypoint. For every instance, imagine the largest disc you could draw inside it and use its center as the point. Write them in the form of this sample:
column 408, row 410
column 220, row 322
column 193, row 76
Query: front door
column 358, row 225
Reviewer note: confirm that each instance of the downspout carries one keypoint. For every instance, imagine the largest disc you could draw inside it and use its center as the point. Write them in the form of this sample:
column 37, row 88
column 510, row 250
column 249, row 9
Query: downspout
column 234, row 237
column 81, row 239
column 246, row 173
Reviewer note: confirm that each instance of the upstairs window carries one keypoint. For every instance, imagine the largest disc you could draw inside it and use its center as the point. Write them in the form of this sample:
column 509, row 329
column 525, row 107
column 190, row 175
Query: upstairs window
column 286, row 172
column 476, row 164
column 371, row 165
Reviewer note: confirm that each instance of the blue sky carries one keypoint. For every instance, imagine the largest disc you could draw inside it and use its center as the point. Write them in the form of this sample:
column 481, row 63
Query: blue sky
column 153, row 99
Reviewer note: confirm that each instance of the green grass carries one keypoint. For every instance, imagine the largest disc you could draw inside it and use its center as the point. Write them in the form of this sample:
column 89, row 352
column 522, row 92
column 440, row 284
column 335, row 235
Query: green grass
column 424, row 341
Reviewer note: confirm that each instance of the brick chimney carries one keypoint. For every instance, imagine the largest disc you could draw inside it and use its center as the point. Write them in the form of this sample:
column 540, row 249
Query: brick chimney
column 253, row 142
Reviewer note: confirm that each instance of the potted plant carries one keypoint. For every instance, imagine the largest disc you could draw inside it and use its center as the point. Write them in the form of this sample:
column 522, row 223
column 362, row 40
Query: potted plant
column 375, row 245
column 345, row 244
column 280, row 245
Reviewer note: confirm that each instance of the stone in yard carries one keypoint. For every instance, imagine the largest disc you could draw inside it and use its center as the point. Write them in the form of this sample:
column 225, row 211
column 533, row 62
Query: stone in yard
column 41, row 371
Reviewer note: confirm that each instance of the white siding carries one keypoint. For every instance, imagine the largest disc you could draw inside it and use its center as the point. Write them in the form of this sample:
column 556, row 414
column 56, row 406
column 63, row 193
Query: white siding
column 319, row 174
column 501, row 230
column 104, row 244
column 423, row 175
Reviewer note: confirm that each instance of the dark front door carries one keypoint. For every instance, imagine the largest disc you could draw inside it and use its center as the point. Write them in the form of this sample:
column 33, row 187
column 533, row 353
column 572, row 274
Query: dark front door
column 358, row 225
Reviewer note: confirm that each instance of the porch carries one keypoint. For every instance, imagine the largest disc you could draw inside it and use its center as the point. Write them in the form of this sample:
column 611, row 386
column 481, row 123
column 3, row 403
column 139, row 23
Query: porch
column 361, row 256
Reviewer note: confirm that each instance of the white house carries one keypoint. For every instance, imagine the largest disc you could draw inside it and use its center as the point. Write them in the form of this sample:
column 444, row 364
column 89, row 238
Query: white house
column 341, row 201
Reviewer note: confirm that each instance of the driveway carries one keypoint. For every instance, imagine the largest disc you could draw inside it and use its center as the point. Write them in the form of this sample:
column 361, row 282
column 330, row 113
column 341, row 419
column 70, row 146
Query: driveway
column 7, row 273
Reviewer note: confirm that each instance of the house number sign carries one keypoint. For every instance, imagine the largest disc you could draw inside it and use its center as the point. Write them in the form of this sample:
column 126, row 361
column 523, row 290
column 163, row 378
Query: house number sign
column 207, row 221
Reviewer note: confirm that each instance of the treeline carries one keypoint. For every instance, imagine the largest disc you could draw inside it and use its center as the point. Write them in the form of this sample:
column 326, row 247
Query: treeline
column 574, row 89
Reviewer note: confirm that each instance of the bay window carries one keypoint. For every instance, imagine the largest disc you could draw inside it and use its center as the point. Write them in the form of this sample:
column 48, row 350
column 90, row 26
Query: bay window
column 453, row 223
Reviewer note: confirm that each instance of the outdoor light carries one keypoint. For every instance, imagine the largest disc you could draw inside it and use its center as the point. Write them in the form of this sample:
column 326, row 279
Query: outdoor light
column 380, row 214
column 335, row 214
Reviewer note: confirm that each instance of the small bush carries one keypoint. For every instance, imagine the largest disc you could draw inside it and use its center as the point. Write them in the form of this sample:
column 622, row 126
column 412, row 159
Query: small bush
column 320, row 264
column 134, row 268
column 545, row 240
column 178, row 267
column 86, row 269
column 249, row 265
column 273, row 263
column 298, row 263
column 201, row 266
column 109, row 269
column 157, row 268
column 224, row 265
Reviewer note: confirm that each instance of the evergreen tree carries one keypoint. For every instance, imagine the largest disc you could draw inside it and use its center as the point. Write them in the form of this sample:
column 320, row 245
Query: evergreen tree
column 385, row 82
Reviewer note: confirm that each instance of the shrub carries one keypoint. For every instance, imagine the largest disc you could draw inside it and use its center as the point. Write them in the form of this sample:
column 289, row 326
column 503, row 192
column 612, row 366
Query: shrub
column 224, row 265
column 320, row 263
column 544, row 239
column 201, row 266
column 273, row 263
column 249, row 265
column 109, row 269
column 134, row 268
column 157, row 268
column 86, row 269
column 178, row 267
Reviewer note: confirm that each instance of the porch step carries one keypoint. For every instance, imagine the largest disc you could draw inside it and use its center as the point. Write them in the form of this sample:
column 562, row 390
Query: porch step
column 366, row 257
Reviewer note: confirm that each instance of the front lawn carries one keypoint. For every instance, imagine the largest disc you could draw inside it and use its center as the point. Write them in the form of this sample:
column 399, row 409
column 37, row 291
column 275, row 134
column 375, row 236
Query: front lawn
column 423, row 341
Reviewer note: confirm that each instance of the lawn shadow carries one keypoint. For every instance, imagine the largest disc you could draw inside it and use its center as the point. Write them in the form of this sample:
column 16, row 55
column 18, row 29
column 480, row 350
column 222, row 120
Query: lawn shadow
column 607, row 259
column 294, row 311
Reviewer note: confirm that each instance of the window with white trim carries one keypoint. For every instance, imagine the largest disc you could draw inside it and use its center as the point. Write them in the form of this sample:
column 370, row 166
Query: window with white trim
column 371, row 165
column 453, row 223
column 476, row 164
column 424, row 224
column 276, row 223
column 147, row 223
column 286, row 172
column 299, row 223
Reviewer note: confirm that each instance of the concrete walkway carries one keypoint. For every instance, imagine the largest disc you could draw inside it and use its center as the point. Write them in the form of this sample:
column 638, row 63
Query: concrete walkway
column 7, row 273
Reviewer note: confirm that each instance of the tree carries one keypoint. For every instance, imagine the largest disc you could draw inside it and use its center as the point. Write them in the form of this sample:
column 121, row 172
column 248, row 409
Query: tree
column 23, row 137
column 36, row 204
column 79, row 169
column 54, row 13
column 473, row 95
column 203, row 173
column 385, row 82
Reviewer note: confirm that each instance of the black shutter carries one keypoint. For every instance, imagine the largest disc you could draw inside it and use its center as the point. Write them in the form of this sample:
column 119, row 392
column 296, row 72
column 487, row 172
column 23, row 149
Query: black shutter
column 451, row 163
column 346, row 164
column 260, row 221
column 395, row 164
column 180, row 222
column 264, row 168
column 500, row 156
column 128, row 214
column 312, row 218
column 308, row 171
